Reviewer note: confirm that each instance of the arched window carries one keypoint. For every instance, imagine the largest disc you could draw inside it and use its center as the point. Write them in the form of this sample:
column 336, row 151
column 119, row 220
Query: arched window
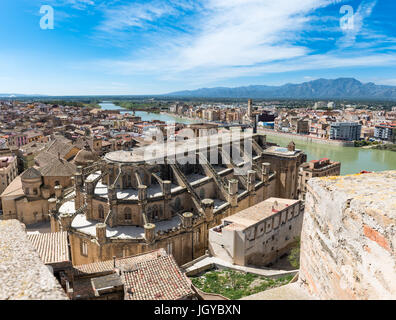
column 101, row 212
column 57, row 183
column 155, row 212
column 127, row 214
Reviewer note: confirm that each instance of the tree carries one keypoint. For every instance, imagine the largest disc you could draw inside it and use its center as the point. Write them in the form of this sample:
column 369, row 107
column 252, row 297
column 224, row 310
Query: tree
column 294, row 256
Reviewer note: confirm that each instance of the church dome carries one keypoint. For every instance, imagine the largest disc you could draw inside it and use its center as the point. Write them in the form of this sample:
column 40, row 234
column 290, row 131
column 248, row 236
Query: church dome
column 84, row 157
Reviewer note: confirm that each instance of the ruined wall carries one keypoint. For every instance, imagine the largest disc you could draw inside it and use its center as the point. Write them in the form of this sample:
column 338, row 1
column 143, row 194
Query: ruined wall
column 349, row 237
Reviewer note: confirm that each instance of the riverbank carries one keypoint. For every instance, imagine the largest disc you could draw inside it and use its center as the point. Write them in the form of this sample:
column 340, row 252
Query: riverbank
column 306, row 138
column 182, row 117
column 145, row 115
column 389, row 147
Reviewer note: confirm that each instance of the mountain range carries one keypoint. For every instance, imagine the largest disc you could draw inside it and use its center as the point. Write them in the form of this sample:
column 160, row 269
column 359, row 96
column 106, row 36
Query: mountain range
column 341, row 88
column 17, row 95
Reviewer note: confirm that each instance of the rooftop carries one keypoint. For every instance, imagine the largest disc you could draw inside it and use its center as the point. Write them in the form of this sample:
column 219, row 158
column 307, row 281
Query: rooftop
column 257, row 213
column 281, row 151
column 52, row 247
column 156, row 279
column 14, row 189
column 106, row 267
column 157, row 151
column 58, row 168
column 83, row 225
column 149, row 276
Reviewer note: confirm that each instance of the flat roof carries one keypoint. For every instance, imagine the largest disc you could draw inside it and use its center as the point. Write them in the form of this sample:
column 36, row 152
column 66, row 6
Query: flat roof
column 156, row 151
column 257, row 213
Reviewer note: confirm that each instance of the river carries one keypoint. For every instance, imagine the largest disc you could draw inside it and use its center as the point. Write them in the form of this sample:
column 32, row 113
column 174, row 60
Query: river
column 353, row 160
column 147, row 116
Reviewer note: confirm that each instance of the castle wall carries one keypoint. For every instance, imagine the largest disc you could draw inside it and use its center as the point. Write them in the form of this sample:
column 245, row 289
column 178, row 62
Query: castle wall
column 349, row 237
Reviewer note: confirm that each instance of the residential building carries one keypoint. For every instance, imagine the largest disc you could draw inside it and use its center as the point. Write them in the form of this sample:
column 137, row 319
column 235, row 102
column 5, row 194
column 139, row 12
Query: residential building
column 8, row 172
column 316, row 168
column 258, row 235
column 385, row 132
column 154, row 275
column 348, row 131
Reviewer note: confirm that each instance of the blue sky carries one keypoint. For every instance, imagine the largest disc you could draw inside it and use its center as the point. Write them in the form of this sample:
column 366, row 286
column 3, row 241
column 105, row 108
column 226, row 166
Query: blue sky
column 153, row 46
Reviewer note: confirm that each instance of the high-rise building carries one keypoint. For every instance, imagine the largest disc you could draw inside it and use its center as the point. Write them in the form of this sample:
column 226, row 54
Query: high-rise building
column 348, row 131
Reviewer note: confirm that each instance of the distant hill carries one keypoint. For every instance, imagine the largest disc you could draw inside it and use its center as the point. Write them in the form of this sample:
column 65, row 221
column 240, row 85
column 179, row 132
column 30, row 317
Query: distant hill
column 17, row 95
column 342, row 88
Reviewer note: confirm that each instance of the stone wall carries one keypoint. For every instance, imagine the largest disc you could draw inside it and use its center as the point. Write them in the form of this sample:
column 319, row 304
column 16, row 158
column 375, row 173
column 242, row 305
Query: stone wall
column 349, row 237
column 23, row 275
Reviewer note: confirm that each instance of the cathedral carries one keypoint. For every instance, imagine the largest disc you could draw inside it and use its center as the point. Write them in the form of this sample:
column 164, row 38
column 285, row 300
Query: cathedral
column 169, row 195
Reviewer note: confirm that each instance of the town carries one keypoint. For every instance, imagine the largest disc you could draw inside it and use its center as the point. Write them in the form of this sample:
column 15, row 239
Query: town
column 82, row 187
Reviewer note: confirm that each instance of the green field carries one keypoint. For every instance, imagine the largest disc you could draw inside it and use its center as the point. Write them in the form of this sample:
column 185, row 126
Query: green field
column 234, row 284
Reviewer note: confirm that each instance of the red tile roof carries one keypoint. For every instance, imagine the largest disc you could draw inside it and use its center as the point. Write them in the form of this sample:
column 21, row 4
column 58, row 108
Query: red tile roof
column 103, row 267
column 156, row 279
column 52, row 247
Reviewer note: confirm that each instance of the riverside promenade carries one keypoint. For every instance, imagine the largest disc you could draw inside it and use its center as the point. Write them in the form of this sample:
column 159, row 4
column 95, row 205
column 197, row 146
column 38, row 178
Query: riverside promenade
column 307, row 138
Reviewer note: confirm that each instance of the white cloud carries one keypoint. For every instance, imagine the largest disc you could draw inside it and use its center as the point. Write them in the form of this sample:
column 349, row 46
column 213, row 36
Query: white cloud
column 364, row 11
column 232, row 38
column 134, row 15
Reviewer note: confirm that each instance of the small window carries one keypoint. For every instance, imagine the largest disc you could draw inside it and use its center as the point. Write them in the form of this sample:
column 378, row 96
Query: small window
column 101, row 212
column 197, row 236
column 84, row 248
column 290, row 227
column 169, row 248
column 127, row 214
